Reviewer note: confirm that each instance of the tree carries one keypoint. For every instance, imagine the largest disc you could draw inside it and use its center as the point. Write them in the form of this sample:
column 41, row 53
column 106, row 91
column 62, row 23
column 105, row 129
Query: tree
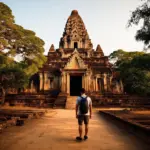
column 142, row 13
column 120, row 56
column 133, row 68
column 15, row 41
column 20, row 42
column 12, row 76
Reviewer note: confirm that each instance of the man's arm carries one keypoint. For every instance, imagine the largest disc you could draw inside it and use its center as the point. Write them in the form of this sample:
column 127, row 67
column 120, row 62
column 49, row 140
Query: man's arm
column 76, row 110
column 90, row 109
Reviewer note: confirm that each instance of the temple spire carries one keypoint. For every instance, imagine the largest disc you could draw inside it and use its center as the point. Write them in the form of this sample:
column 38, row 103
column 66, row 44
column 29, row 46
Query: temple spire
column 75, row 34
column 99, row 49
column 52, row 49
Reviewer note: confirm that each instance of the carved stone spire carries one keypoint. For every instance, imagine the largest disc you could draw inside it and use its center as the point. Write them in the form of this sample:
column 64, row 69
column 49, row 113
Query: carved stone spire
column 52, row 49
column 75, row 34
column 99, row 49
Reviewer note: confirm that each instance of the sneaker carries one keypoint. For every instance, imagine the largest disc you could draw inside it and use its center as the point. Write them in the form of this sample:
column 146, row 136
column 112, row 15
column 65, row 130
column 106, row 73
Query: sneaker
column 78, row 138
column 85, row 137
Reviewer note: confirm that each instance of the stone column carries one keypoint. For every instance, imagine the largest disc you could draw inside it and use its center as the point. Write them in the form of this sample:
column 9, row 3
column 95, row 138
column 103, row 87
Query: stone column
column 62, row 82
column 44, row 81
column 105, row 82
column 46, row 86
column 111, row 83
column 68, row 83
column 48, row 82
column 87, row 82
column 121, row 85
column 92, row 84
column 65, row 81
column 41, row 81
column 83, row 81
column 96, row 84
column 63, row 86
column 108, row 83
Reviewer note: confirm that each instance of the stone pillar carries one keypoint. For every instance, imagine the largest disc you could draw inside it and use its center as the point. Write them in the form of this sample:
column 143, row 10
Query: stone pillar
column 83, row 81
column 46, row 86
column 105, row 82
column 121, row 85
column 44, row 81
column 62, row 82
column 92, row 84
column 87, row 82
column 41, row 81
column 109, row 83
column 65, row 81
column 96, row 84
column 68, row 83
column 48, row 82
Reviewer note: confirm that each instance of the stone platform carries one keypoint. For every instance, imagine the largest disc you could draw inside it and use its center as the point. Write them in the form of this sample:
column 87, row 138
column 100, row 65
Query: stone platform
column 17, row 116
column 137, row 122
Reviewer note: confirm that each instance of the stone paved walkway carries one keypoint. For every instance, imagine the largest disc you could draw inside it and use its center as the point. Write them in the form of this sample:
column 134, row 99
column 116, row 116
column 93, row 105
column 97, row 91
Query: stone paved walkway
column 58, row 129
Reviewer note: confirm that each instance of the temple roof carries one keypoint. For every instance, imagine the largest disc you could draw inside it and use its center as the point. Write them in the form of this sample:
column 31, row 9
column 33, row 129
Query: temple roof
column 52, row 49
column 75, row 31
column 75, row 24
column 99, row 49
column 75, row 49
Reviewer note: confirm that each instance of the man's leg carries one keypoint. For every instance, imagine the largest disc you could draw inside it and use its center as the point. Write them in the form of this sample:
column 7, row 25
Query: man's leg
column 80, row 131
column 80, row 121
column 86, row 122
column 86, row 129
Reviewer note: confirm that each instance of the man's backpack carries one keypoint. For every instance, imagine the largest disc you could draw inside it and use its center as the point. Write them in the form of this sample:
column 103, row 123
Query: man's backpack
column 83, row 105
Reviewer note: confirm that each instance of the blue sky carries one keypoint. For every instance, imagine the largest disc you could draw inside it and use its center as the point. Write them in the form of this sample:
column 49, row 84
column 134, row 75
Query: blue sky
column 105, row 20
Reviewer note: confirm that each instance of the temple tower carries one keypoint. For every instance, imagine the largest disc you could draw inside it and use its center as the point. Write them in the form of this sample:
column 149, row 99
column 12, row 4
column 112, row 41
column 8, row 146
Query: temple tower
column 75, row 34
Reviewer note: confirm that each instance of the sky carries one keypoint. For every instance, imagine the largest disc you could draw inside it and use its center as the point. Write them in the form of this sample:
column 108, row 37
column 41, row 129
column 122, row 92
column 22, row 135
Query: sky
column 105, row 21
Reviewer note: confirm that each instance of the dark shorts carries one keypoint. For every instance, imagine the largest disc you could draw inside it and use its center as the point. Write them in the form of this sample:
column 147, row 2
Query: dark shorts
column 82, row 118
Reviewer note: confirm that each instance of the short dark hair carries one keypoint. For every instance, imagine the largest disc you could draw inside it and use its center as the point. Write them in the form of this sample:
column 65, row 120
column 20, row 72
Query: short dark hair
column 82, row 90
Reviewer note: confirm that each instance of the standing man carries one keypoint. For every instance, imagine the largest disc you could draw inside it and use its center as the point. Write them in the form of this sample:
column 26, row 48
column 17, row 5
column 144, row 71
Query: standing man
column 83, row 113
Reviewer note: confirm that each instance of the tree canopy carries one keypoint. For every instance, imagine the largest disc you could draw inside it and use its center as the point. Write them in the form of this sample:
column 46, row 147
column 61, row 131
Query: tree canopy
column 142, row 14
column 15, row 41
column 20, row 42
column 134, row 70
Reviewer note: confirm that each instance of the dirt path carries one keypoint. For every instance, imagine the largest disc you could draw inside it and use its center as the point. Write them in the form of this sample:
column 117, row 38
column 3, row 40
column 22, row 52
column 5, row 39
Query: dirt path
column 58, row 129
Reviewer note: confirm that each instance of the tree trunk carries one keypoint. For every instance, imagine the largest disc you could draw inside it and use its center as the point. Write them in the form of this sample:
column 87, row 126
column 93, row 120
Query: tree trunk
column 3, row 93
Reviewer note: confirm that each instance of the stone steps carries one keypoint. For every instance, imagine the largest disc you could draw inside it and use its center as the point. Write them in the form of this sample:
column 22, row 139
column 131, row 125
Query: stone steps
column 71, row 102
column 60, row 101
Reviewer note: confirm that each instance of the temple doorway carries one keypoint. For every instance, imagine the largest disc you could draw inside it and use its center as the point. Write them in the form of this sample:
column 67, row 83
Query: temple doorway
column 100, row 83
column 75, row 85
column 75, row 45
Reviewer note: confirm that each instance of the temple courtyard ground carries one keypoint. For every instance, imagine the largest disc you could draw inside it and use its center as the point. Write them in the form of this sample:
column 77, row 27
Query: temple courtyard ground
column 57, row 131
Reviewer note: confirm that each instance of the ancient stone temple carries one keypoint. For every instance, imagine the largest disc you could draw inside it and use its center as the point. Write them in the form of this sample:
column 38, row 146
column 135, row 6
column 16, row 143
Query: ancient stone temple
column 76, row 64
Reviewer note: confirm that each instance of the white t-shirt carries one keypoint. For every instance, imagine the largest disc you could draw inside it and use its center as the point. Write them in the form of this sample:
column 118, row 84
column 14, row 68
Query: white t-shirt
column 89, row 103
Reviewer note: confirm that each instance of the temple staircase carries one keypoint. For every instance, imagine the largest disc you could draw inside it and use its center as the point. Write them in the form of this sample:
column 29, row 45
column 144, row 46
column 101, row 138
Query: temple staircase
column 60, row 101
column 71, row 102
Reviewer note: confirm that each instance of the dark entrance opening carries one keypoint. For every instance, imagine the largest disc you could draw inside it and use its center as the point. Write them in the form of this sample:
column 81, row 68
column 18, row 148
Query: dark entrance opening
column 75, row 45
column 75, row 85
column 100, row 83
